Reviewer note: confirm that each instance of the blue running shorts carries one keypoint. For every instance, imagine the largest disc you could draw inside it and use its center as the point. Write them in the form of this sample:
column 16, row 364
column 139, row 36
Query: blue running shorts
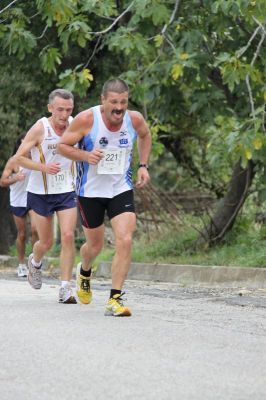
column 19, row 211
column 48, row 204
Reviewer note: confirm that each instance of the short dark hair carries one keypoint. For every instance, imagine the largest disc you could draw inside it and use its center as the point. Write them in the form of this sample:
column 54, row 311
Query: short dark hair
column 18, row 142
column 114, row 85
column 62, row 93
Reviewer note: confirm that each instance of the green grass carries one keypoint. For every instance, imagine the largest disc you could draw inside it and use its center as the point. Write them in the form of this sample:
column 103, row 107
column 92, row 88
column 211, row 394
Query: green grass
column 13, row 252
column 244, row 246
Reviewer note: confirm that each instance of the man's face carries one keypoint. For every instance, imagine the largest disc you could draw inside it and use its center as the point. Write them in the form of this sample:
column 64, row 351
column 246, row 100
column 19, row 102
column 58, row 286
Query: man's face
column 115, row 106
column 60, row 109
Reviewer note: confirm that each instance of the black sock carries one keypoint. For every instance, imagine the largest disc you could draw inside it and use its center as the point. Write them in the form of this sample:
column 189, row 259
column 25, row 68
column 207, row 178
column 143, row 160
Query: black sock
column 113, row 292
column 85, row 273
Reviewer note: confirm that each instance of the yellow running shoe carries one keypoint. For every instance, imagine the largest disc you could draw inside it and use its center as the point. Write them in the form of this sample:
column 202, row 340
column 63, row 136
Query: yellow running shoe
column 83, row 287
column 116, row 308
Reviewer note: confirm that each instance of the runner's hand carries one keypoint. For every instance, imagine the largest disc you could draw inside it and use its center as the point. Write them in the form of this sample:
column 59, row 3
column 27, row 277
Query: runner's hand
column 95, row 156
column 20, row 176
column 52, row 168
column 143, row 177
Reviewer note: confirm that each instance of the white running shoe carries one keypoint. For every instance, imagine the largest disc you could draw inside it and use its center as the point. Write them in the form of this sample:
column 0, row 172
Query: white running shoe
column 22, row 270
column 34, row 274
column 66, row 295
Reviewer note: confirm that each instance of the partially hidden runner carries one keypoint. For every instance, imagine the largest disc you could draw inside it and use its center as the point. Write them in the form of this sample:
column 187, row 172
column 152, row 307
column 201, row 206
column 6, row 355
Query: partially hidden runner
column 16, row 178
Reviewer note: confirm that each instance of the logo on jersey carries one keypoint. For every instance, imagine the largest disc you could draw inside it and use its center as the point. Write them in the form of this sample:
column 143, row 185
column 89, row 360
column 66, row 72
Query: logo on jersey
column 49, row 134
column 123, row 142
column 103, row 141
column 123, row 133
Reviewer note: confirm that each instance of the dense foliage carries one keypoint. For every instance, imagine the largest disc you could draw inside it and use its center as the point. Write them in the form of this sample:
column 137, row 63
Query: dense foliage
column 196, row 69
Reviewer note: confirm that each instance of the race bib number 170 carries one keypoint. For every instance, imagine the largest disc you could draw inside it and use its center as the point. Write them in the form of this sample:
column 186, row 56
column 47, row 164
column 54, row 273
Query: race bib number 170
column 61, row 182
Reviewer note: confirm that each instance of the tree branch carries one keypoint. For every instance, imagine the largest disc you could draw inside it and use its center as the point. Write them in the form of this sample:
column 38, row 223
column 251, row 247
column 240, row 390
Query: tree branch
column 169, row 23
column 9, row 5
column 94, row 51
column 164, row 35
column 172, row 17
column 115, row 21
column 43, row 33
column 260, row 24
column 244, row 49
column 251, row 100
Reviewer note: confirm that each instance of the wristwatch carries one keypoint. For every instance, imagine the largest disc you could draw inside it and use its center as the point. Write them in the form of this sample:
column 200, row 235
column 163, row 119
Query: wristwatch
column 144, row 166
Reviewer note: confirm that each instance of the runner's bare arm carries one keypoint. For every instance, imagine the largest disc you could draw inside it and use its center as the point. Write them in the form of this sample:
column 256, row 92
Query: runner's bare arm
column 32, row 139
column 10, row 174
column 144, row 146
column 79, row 128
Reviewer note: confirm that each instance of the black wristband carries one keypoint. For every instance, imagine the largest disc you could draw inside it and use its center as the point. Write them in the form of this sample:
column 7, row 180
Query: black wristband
column 143, row 165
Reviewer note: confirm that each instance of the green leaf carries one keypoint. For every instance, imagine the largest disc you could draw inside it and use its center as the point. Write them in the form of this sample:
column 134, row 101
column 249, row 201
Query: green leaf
column 50, row 59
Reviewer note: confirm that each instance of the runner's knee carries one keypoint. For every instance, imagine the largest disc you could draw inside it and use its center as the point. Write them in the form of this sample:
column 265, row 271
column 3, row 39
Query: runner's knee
column 46, row 244
column 21, row 236
column 67, row 238
column 94, row 248
column 124, row 241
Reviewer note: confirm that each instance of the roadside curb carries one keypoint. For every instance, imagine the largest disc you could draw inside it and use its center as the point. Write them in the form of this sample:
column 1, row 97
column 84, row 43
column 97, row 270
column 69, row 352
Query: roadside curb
column 172, row 273
column 191, row 274
column 12, row 262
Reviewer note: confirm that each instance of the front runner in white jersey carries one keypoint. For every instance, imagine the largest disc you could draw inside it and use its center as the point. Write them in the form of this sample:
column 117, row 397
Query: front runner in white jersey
column 17, row 179
column 106, row 135
column 51, row 189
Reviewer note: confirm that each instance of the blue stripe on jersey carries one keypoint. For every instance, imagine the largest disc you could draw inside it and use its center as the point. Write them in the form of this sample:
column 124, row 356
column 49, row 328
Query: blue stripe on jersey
column 81, row 167
column 95, row 127
column 133, row 136
column 128, row 176
column 87, row 144
column 131, row 130
column 79, row 175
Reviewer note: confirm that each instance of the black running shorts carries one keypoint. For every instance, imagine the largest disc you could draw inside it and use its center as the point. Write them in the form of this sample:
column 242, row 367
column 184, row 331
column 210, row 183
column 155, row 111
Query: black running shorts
column 92, row 209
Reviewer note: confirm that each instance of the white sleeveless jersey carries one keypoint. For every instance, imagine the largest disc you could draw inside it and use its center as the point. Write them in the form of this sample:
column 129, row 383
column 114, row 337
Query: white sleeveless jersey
column 46, row 152
column 18, row 193
column 113, row 175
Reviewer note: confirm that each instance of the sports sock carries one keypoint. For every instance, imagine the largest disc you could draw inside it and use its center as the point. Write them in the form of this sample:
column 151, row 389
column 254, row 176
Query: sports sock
column 35, row 263
column 85, row 273
column 64, row 283
column 113, row 292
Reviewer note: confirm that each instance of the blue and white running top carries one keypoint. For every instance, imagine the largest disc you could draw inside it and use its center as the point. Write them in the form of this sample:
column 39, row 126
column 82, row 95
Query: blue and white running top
column 112, row 175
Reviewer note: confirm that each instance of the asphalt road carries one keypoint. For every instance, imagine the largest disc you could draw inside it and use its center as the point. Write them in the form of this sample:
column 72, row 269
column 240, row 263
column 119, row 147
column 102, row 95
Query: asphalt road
column 181, row 343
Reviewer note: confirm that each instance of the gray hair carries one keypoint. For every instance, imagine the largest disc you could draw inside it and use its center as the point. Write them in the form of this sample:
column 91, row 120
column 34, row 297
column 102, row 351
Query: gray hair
column 115, row 85
column 62, row 93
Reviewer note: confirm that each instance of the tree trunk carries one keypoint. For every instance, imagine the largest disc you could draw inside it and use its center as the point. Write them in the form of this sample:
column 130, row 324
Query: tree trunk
column 229, row 207
column 7, row 226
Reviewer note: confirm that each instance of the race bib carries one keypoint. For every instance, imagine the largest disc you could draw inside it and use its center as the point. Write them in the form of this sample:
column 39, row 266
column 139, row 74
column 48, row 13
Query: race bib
column 113, row 162
column 61, row 182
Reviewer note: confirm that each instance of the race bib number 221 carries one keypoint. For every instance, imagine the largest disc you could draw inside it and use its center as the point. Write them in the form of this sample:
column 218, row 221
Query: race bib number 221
column 113, row 162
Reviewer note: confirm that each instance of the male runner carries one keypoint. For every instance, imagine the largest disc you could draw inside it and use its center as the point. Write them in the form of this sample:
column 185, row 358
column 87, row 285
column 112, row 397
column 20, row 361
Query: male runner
column 51, row 189
column 106, row 134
